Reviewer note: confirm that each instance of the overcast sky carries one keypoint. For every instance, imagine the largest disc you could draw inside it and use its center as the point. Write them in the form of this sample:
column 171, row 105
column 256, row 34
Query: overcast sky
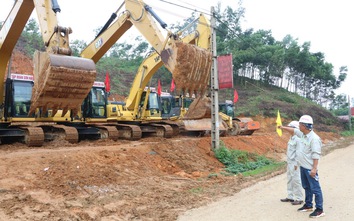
column 325, row 23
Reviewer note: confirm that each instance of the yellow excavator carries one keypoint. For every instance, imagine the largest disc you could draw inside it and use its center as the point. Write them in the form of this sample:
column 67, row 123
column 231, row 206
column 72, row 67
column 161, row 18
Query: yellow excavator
column 61, row 81
column 140, row 114
column 53, row 103
column 142, row 110
column 175, row 108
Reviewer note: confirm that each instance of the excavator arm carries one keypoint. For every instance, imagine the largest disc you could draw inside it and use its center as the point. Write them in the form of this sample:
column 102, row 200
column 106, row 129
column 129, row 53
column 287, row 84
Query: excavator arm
column 134, row 14
column 61, row 81
column 199, row 38
column 189, row 64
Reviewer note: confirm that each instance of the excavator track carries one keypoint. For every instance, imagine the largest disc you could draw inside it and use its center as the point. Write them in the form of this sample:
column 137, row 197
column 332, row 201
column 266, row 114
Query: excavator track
column 71, row 134
column 34, row 136
column 130, row 132
column 163, row 130
column 109, row 132
column 176, row 127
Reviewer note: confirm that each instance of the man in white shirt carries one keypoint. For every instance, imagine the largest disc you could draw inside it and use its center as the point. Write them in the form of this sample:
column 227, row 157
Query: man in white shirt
column 309, row 155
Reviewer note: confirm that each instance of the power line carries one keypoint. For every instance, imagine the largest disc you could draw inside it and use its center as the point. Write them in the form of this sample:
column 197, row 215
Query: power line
column 207, row 13
column 185, row 7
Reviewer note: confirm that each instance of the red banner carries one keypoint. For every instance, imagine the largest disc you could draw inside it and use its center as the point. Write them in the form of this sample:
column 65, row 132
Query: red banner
column 235, row 96
column 159, row 89
column 173, row 86
column 107, row 82
column 225, row 71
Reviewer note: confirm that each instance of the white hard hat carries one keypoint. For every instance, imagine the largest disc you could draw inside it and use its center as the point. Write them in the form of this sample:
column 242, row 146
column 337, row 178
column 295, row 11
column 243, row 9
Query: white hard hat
column 307, row 119
column 294, row 124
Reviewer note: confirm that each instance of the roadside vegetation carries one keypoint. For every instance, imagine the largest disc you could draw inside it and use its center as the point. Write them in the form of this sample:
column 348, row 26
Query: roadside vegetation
column 348, row 133
column 238, row 161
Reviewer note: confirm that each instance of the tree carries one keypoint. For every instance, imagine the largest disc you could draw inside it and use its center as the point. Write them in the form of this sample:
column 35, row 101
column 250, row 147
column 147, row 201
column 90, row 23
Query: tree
column 77, row 46
column 31, row 38
column 339, row 105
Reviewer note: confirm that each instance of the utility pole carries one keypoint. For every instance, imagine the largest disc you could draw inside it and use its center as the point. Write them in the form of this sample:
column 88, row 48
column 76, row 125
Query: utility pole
column 350, row 114
column 214, row 86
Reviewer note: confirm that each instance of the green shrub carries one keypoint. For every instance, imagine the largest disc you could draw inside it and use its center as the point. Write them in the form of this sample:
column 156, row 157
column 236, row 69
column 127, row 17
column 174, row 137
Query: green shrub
column 237, row 161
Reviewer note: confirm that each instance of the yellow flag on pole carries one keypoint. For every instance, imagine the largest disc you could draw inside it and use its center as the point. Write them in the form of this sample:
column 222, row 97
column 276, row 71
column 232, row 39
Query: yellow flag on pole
column 279, row 131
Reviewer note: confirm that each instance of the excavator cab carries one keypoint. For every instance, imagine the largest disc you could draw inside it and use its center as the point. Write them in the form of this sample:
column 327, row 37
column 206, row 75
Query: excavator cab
column 21, row 100
column 150, row 105
column 18, row 99
column 227, row 108
column 176, row 106
column 171, row 106
column 94, row 105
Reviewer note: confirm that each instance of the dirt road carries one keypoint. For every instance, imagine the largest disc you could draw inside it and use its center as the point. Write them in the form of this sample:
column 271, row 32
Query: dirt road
column 261, row 201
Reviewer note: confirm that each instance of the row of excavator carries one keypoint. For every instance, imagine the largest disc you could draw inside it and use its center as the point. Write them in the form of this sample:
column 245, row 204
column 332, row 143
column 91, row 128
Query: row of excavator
column 62, row 100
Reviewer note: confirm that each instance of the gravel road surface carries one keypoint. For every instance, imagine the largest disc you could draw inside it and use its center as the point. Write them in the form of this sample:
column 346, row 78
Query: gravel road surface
column 262, row 201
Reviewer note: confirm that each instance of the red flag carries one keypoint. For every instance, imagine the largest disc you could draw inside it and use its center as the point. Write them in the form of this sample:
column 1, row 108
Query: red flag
column 235, row 96
column 107, row 82
column 159, row 90
column 172, row 85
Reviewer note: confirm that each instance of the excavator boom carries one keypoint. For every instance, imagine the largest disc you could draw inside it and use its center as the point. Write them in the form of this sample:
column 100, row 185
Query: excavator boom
column 189, row 64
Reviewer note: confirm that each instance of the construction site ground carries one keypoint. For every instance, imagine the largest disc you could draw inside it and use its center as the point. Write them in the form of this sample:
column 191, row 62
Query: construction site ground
column 149, row 179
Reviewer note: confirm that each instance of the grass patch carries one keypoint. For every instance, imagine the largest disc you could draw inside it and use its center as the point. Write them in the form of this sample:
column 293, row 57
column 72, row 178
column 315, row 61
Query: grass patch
column 268, row 168
column 347, row 133
column 196, row 190
column 237, row 161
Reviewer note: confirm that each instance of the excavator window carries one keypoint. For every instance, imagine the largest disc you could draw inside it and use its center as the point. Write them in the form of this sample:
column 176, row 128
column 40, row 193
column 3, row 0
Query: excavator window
column 222, row 108
column 22, row 92
column 187, row 102
column 98, row 102
column 230, row 110
column 153, row 101
column 166, row 106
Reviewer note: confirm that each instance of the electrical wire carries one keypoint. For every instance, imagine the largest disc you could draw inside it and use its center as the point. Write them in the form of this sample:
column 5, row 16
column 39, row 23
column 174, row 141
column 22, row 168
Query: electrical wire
column 200, row 10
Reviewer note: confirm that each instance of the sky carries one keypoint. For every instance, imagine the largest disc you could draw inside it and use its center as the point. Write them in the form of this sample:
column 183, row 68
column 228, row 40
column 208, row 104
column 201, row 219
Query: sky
column 324, row 23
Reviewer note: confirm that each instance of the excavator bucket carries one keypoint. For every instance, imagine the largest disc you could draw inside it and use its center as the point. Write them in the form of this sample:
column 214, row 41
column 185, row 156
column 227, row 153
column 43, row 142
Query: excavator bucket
column 190, row 66
column 61, row 82
column 199, row 108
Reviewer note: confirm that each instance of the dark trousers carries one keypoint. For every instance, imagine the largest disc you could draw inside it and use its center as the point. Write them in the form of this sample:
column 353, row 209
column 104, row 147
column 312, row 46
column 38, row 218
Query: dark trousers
column 312, row 187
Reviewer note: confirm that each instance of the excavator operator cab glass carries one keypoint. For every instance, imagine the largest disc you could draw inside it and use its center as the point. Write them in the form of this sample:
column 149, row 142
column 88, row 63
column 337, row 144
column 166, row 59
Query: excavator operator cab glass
column 187, row 102
column 98, row 102
column 22, row 93
column 230, row 110
column 153, row 102
column 176, row 102
column 227, row 109
column 166, row 105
